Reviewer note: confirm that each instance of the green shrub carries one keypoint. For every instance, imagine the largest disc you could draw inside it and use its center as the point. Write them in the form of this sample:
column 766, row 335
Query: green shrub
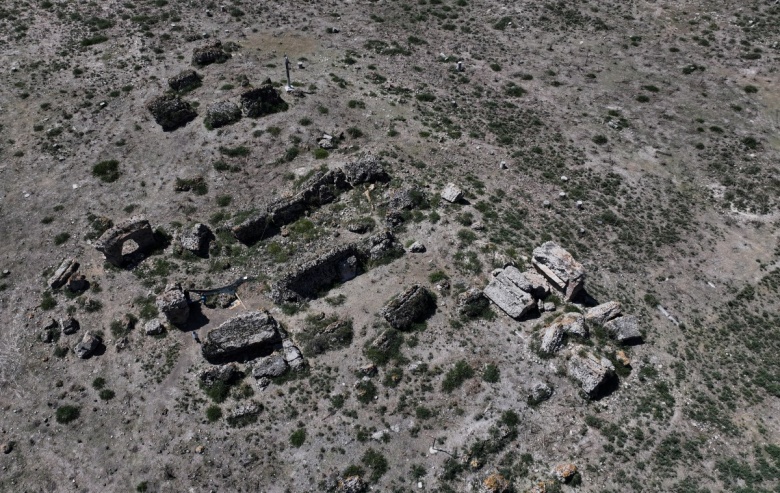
column 94, row 40
column 298, row 437
column 224, row 200
column 61, row 238
column 599, row 139
column 751, row 89
column 491, row 373
column 376, row 462
column 354, row 132
column 108, row 171
column 426, row 97
column 320, row 153
column 239, row 151
column 437, row 276
column 213, row 413
column 66, row 414
column 98, row 383
column 365, row 391
column 456, row 376
column 47, row 301
column 107, row 394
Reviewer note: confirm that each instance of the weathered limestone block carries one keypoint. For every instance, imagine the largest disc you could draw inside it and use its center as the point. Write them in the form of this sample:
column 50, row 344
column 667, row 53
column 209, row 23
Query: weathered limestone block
column 451, row 193
column 173, row 303
column 171, row 112
column 593, row 373
column 624, row 329
column 413, row 305
column 559, row 267
column 67, row 267
column 509, row 290
column 244, row 336
column 604, row 312
column 136, row 229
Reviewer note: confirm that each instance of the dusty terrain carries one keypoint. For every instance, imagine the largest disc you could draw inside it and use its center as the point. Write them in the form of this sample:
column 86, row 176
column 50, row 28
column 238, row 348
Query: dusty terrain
column 642, row 137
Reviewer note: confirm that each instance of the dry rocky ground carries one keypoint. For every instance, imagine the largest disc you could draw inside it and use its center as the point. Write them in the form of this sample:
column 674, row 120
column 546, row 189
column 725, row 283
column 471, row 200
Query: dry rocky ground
column 360, row 352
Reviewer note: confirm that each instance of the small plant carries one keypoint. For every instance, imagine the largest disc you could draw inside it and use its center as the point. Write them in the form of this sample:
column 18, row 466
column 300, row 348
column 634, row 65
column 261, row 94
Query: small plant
column 213, row 413
column 437, row 276
column 107, row 171
column 425, row 97
column 142, row 487
column 65, row 414
column 239, row 151
column 47, row 301
column 599, row 139
column 750, row 89
column 61, row 238
column 456, row 376
column 107, row 394
column 304, row 122
column 352, row 103
column 224, row 200
column 98, row 383
column 491, row 373
column 365, row 391
column 298, row 437
column 320, row 153
column 354, row 132
column 375, row 461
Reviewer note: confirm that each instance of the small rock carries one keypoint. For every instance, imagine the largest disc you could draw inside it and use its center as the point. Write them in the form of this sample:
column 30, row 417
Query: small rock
column 63, row 272
column 200, row 449
column 88, row 345
column 270, row 367
column 8, row 447
column 549, row 306
column 502, row 165
column 564, row 472
column 69, row 326
column 540, row 392
column 624, row 329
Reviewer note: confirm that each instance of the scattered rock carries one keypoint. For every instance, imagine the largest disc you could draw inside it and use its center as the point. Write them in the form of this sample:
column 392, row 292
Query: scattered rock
column 244, row 336
column 171, row 112
column 67, row 267
column 352, row 484
column 154, row 327
column 136, row 229
column 451, row 193
column 293, row 356
column 219, row 373
column 244, row 414
column 186, row 80
column 325, row 144
column 559, row 267
column 360, row 226
column 197, row 239
column 221, row 114
column 604, row 312
column 368, row 370
column 8, row 447
column 262, row 101
column 510, row 291
column 270, row 367
column 548, row 306
column 407, row 199
column 413, row 305
column 88, row 345
column 624, row 329
column 564, row 472
column 174, row 304
column 69, row 326
column 594, row 374
column 417, row 247
column 366, row 169
column 540, row 392
column 496, row 483
column 206, row 55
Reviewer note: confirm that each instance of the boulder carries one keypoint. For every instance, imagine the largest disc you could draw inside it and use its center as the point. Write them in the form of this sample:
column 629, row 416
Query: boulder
column 366, row 169
column 471, row 303
column 552, row 339
column 196, row 240
column 417, row 247
column 559, row 267
column 136, row 229
column 564, row 472
column 540, row 392
column 592, row 372
column 154, row 327
column 77, row 282
column 219, row 373
column 624, row 329
column 186, row 80
column 171, row 112
column 496, row 483
column 568, row 324
column 69, row 325
column 270, row 367
column 451, row 193
column 174, row 304
column 293, row 356
column 67, row 267
column 604, row 312
column 245, row 336
column 222, row 113
column 407, row 199
column 87, row 346
column 352, row 484
column 206, row 55
column 413, row 305
column 348, row 268
column 262, row 101
column 510, row 291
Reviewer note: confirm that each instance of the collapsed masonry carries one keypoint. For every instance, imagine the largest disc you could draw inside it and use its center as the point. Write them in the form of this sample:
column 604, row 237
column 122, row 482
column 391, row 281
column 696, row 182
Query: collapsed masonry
column 136, row 229
column 322, row 188
column 340, row 264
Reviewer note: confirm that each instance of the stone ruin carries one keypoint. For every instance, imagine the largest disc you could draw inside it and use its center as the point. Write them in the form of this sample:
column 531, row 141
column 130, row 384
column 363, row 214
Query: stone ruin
column 559, row 267
column 174, row 304
column 186, row 80
column 111, row 242
column 206, row 55
column 339, row 264
column 171, row 112
column 243, row 337
column 322, row 188
column 222, row 113
column 413, row 305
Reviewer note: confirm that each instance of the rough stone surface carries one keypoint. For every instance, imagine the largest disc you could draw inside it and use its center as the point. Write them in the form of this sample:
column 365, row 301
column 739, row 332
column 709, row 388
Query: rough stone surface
column 293, row 356
column 77, row 282
column 69, row 325
column 222, row 113
column 352, row 484
column 184, row 80
column 417, row 247
column 471, row 302
column 348, row 268
column 407, row 199
column 196, row 239
column 270, row 367
column 245, row 335
column 67, row 267
column 413, row 305
column 8, row 447
column 206, row 55
column 552, row 339
column 219, row 373
column 604, row 312
column 87, row 346
column 173, row 303
column 559, row 267
column 366, row 169
column 171, row 112
column 509, row 290
column 263, row 100
column 451, row 193
column 540, row 392
column 495, row 483
column 154, row 327
column 624, row 329
column 592, row 372
column 136, row 229
column 564, row 472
